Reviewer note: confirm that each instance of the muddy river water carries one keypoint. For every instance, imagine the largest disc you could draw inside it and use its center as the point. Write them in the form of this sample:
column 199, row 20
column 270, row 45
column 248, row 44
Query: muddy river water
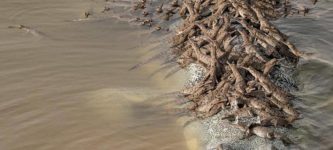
column 66, row 84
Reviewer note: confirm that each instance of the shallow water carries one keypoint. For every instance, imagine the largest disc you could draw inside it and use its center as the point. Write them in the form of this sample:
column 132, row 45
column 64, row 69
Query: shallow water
column 314, row 33
column 66, row 83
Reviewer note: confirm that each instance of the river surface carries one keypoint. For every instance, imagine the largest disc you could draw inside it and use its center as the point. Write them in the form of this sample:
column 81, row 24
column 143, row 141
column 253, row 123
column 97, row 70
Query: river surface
column 314, row 33
column 66, row 81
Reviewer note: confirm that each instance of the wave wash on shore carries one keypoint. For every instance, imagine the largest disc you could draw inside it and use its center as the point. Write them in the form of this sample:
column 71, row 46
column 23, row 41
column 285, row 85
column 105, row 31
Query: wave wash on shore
column 244, row 57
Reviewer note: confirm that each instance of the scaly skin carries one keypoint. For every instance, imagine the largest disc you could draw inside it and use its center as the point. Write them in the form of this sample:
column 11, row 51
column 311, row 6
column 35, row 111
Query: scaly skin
column 238, row 46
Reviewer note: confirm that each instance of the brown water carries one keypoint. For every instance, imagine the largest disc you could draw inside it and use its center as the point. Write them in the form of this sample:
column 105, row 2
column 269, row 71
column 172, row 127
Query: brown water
column 314, row 33
column 66, row 85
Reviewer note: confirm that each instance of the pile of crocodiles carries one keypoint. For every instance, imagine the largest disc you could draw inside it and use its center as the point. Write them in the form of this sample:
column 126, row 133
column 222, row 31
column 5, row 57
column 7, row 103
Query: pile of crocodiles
column 238, row 46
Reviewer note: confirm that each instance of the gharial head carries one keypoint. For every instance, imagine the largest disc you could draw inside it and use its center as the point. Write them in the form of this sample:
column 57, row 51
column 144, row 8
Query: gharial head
column 21, row 26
